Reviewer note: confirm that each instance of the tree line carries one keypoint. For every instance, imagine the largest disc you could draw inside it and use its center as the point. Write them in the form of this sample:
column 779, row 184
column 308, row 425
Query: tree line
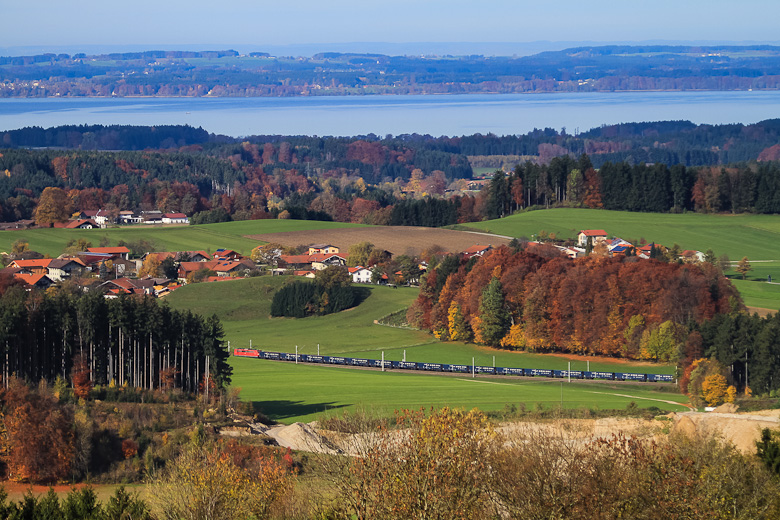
column 331, row 291
column 404, row 180
column 97, row 341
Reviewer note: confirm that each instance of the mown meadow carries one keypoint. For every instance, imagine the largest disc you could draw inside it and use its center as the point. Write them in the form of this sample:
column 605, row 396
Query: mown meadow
column 289, row 392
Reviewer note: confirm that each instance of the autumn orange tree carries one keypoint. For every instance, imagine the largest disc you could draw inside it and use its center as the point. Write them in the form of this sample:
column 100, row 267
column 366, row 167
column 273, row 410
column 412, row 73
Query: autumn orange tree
column 39, row 440
column 81, row 377
column 52, row 207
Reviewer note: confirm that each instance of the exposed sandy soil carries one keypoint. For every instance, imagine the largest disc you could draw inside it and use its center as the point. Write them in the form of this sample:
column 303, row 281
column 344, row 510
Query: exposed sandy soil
column 740, row 429
column 399, row 240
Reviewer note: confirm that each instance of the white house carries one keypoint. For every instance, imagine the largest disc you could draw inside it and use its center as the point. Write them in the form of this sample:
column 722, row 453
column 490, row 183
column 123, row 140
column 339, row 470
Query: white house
column 175, row 218
column 360, row 274
column 596, row 236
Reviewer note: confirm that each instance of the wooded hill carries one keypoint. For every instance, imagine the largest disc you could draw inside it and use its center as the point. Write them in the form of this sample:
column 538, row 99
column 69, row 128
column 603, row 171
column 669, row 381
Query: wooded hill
column 226, row 73
column 540, row 301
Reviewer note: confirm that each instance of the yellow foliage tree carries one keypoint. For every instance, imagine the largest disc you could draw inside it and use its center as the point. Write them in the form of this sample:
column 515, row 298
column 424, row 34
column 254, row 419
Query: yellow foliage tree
column 458, row 328
column 440, row 469
column 204, row 482
column 514, row 338
column 731, row 394
column 713, row 389
column 150, row 267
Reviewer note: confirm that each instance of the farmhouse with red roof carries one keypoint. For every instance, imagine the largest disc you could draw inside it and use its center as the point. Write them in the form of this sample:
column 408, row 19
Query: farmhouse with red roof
column 476, row 250
column 596, row 235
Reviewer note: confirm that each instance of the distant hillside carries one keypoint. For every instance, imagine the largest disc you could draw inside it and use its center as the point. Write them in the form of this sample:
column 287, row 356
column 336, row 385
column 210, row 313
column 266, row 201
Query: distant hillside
column 228, row 73
column 667, row 142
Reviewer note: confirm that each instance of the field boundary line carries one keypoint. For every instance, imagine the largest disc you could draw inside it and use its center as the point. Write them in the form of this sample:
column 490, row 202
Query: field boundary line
column 645, row 398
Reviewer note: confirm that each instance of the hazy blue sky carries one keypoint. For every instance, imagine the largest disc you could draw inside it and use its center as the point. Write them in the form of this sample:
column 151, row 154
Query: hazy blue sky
column 256, row 23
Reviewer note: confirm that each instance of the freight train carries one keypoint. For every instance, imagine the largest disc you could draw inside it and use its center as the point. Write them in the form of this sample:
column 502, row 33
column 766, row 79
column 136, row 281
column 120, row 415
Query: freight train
column 443, row 367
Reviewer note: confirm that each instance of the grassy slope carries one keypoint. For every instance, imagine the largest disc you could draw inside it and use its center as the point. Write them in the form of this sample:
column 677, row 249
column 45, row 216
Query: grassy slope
column 229, row 235
column 289, row 393
column 754, row 236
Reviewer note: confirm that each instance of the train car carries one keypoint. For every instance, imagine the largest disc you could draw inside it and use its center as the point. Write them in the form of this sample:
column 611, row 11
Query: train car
column 246, row 352
column 435, row 367
column 286, row 356
column 484, row 370
column 271, row 355
column 359, row 362
column 508, row 371
column 660, row 378
column 623, row 376
column 407, row 365
column 460, row 368
column 314, row 359
column 575, row 374
column 599, row 375
column 533, row 372
column 377, row 363
column 334, row 360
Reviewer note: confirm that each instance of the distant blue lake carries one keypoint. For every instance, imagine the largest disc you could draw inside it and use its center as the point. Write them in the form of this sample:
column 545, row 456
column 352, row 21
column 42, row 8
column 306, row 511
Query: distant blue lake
column 436, row 115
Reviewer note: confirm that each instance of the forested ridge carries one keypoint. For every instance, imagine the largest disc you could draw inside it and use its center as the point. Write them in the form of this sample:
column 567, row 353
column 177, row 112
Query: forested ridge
column 402, row 180
column 227, row 73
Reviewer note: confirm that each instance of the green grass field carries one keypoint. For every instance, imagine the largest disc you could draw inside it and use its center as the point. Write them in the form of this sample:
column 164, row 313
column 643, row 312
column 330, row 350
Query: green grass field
column 759, row 294
column 754, row 236
column 288, row 392
column 244, row 306
column 230, row 235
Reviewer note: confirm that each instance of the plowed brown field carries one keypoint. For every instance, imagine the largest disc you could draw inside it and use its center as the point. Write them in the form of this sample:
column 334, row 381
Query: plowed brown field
column 398, row 240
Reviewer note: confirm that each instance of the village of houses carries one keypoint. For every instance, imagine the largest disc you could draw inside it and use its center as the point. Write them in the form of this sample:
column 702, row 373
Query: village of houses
column 112, row 271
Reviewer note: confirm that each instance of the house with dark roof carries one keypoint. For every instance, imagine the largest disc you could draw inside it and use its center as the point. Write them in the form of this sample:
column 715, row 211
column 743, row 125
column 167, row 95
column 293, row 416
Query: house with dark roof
column 116, row 251
column 191, row 256
column 129, row 217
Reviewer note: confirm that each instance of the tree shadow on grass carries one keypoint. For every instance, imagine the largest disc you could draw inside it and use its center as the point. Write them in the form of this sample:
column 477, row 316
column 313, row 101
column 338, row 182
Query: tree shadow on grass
column 280, row 410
